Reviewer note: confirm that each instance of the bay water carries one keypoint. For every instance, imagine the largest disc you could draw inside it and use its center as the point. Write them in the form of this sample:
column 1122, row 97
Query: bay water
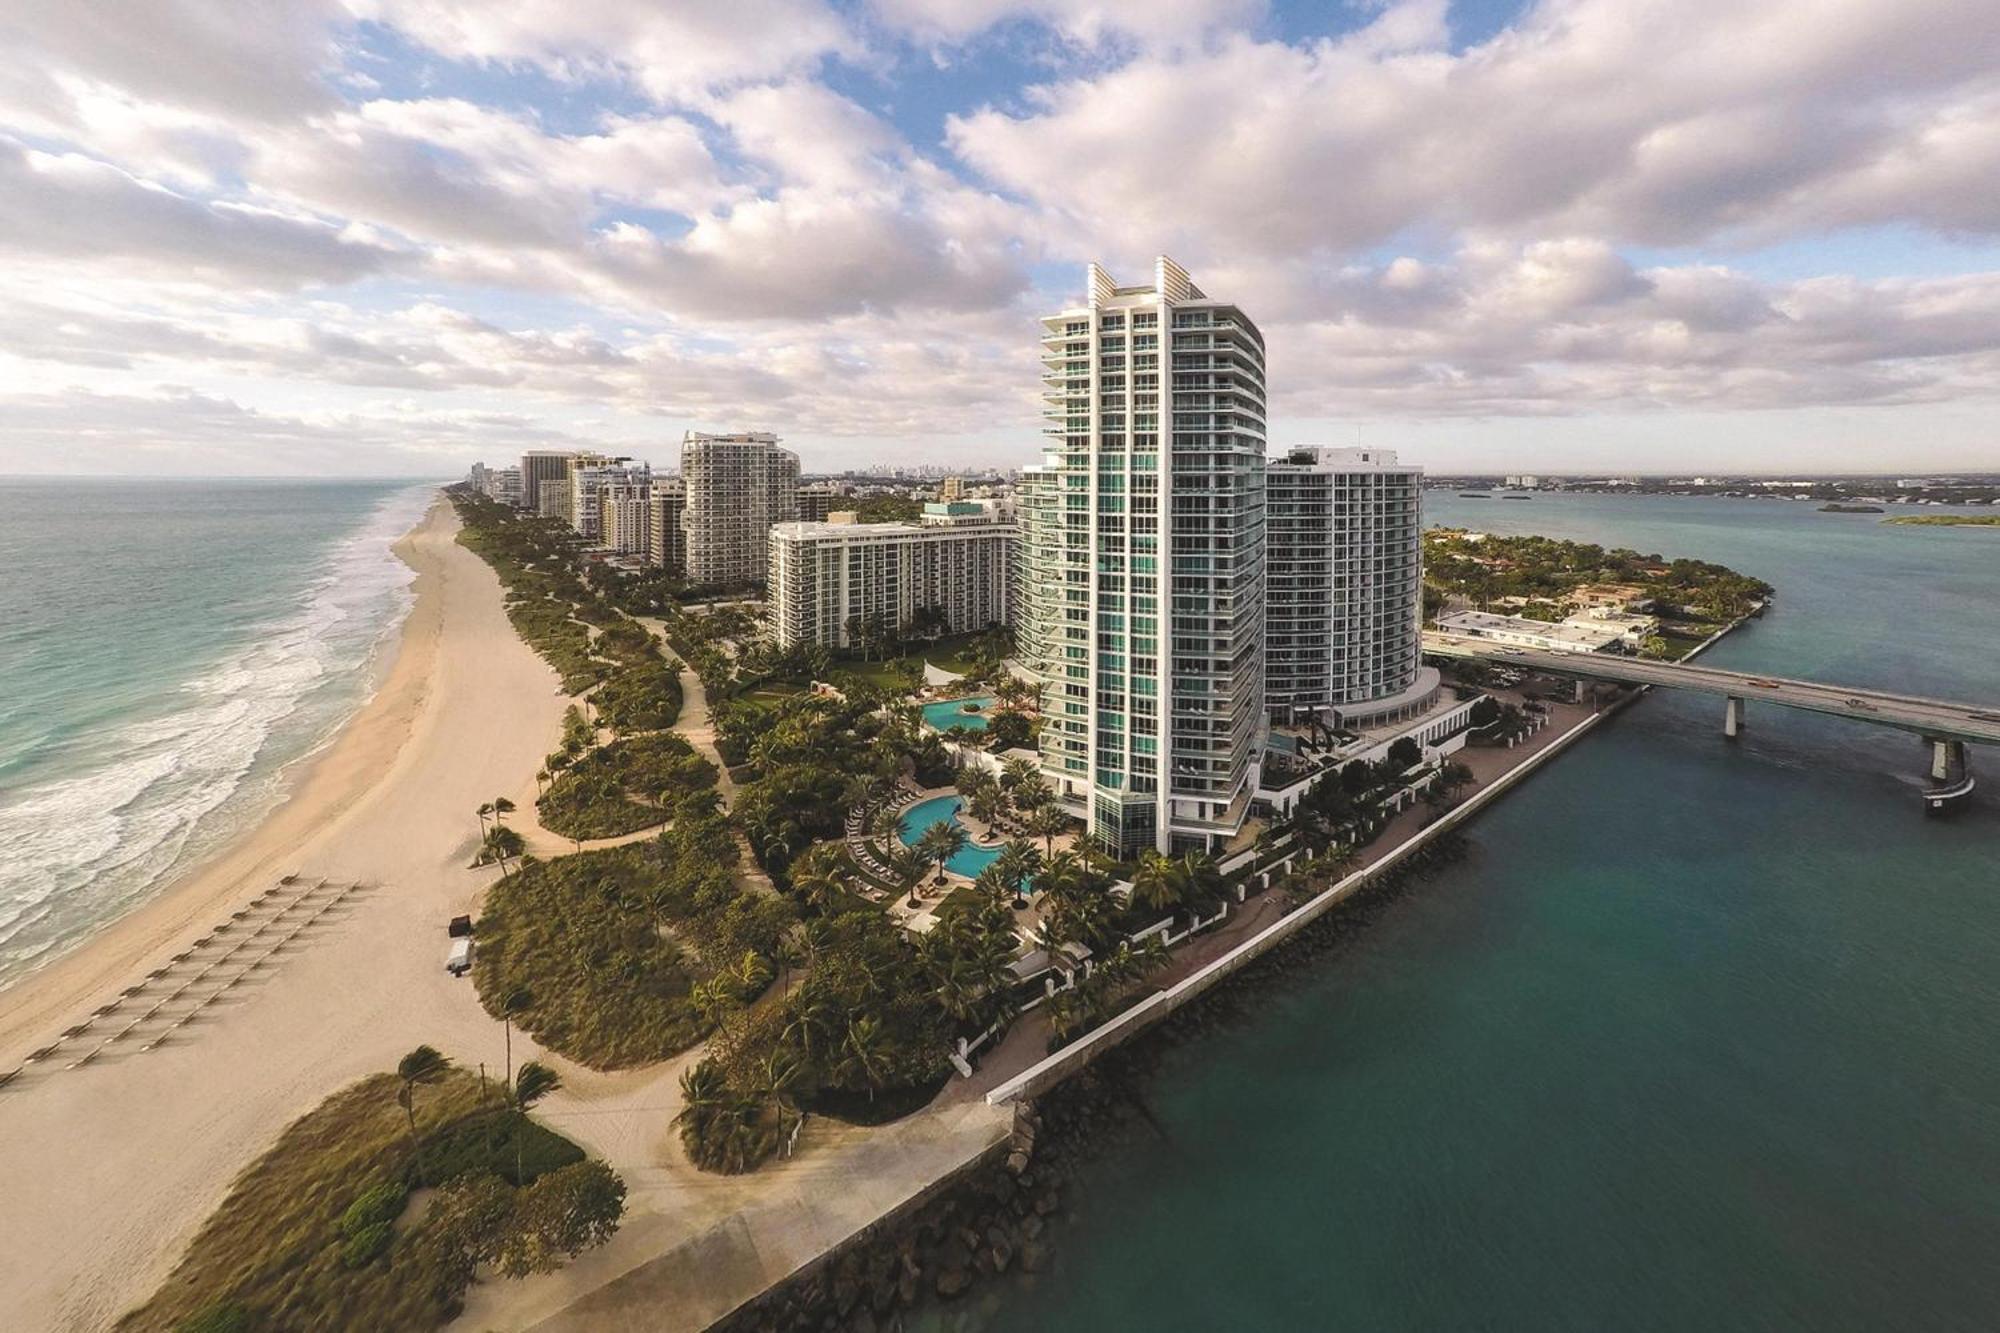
column 169, row 649
column 1699, row 1034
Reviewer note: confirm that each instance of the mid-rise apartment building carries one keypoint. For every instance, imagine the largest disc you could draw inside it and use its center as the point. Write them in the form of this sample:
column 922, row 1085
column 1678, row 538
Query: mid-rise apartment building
column 830, row 580
column 817, row 502
column 737, row 487
column 1343, row 594
column 1143, row 561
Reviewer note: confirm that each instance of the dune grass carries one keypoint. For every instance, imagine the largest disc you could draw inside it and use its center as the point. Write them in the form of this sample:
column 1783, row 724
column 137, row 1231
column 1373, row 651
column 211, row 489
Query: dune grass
column 618, row 788
column 608, row 945
column 274, row 1254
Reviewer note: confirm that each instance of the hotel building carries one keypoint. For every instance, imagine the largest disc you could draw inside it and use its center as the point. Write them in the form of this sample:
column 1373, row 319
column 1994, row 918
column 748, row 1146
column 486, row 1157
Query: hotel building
column 829, row 578
column 737, row 487
column 1143, row 561
column 1343, row 593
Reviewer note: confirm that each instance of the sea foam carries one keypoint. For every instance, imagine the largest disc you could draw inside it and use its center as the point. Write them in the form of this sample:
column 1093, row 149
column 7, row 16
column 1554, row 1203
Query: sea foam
column 161, row 793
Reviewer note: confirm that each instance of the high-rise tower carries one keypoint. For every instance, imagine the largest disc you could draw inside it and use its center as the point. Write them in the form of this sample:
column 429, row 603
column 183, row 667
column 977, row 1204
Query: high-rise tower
column 736, row 487
column 1343, row 598
column 1143, row 561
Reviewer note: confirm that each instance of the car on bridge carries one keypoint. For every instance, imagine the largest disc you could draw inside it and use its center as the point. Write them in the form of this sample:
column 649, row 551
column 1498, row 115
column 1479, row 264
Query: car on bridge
column 1862, row 705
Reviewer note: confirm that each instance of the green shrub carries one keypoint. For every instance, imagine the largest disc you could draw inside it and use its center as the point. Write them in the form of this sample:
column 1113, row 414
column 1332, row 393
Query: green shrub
column 364, row 1246
column 378, row 1205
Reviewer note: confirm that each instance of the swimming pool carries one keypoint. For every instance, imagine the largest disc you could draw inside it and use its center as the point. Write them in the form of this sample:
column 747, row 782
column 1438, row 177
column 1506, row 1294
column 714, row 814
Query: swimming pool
column 971, row 858
column 968, row 713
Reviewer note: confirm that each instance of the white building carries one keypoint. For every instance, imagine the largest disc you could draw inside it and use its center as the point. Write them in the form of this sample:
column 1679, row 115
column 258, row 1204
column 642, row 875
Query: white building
column 829, row 580
column 1578, row 634
column 737, row 487
column 625, row 517
column 1343, row 591
column 590, row 477
column 1143, row 561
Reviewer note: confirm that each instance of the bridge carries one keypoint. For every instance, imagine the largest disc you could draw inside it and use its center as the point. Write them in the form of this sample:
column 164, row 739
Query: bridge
column 1948, row 726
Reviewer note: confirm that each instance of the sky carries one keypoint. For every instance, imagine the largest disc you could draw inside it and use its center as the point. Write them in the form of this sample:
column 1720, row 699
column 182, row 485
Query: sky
column 395, row 237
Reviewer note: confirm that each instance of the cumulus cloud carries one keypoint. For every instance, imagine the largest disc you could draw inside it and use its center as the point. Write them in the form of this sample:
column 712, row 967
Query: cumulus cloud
column 1089, row 22
column 696, row 212
column 1647, row 121
column 673, row 51
column 66, row 206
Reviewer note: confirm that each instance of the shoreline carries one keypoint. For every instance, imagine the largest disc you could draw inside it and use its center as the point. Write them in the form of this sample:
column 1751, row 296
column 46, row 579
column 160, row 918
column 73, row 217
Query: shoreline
column 318, row 785
column 113, row 1167
column 895, row 1259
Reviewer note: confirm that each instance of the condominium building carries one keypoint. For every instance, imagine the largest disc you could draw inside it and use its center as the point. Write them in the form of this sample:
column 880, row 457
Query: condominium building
column 737, row 487
column 1143, row 551
column 540, row 467
column 590, row 477
column 816, row 502
column 1343, row 593
column 666, row 545
column 831, row 581
column 625, row 517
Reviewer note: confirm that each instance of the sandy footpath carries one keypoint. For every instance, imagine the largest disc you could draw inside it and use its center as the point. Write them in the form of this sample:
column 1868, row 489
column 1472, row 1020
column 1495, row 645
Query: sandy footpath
column 109, row 1168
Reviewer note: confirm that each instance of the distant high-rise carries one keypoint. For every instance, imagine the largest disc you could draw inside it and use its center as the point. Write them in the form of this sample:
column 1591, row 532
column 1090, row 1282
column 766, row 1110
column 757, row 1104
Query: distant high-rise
column 1143, row 561
column 667, row 542
column 625, row 517
column 590, row 476
column 539, row 466
column 737, row 486
column 1343, row 599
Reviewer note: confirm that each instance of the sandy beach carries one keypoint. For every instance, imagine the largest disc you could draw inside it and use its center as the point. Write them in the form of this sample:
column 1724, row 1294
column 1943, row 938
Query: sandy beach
column 112, row 1166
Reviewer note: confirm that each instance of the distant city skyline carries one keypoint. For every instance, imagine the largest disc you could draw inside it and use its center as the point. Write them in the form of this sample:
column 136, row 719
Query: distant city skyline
column 396, row 237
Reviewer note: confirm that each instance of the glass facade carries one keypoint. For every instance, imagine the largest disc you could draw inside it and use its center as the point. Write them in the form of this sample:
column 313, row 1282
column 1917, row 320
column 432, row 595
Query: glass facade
column 1142, row 576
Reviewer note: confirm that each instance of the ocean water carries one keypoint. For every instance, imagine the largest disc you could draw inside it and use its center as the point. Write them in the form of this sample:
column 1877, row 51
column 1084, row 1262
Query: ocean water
column 1699, row 1035
column 167, row 650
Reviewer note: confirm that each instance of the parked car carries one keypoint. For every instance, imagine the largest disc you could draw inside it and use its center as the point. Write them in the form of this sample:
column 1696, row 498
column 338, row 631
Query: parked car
column 460, row 927
column 459, row 961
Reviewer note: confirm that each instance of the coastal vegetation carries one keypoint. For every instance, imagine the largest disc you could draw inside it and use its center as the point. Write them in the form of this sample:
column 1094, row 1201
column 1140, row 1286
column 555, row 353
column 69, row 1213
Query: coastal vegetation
column 624, row 786
column 864, row 1035
column 1946, row 520
column 600, row 955
column 324, row 1230
column 1545, row 573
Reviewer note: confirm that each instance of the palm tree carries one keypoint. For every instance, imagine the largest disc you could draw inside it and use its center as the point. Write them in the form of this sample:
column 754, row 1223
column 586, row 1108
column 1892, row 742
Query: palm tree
column 534, row 1082
column 1016, row 865
column 515, row 1001
column 1018, row 775
column 713, row 999
column 865, row 1052
column 502, row 807
column 422, row 1065
column 1045, row 823
column 1157, row 882
column 940, row 842
column 907, row 865
column 1201, row 881
column 483, row 811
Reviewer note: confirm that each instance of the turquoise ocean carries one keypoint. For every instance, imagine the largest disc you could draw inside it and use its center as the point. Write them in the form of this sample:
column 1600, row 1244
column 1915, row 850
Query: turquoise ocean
column 168, row 651
column 1699, row 1035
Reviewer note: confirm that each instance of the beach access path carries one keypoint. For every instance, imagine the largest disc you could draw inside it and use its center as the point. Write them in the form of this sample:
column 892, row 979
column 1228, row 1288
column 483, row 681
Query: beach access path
column 111, row 1167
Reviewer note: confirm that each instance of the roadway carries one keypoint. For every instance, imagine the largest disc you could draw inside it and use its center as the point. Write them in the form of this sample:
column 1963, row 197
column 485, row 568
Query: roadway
column 1933, row 719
